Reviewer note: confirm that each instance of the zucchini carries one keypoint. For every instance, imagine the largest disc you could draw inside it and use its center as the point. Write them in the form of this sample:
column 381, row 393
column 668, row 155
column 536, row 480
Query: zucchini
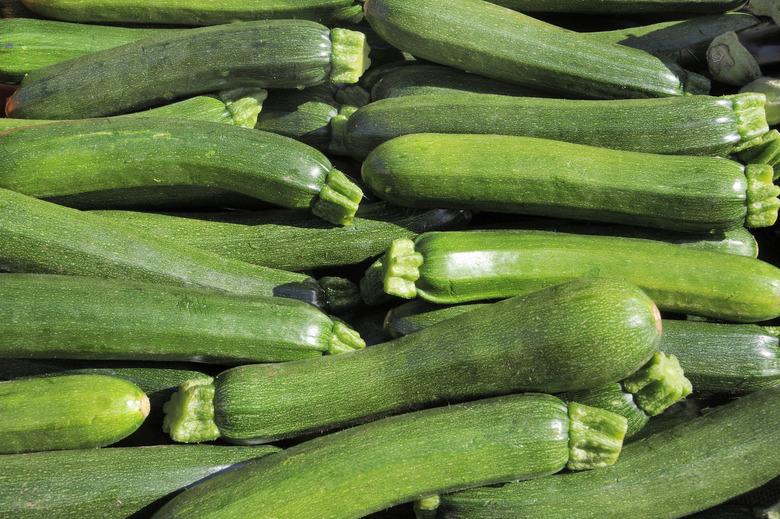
column 76, row 157
column 670, row 474
column 538, row 342
column 402, row 458
column 458, row 267
column 109, row 483
column 195, row 12
column 722, row 125
column 263, row 54
column 495, row 42
column 622, row 6
column 237, row 234
column 770, row 87
column 158, row 322
column 550, row 178
column 304, row 115
column 68, row 412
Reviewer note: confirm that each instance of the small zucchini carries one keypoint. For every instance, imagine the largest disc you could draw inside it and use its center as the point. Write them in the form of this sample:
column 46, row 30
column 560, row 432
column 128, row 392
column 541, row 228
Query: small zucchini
column 109, row 483
column 463, row 266
column 262, row 54
column 622, row 6
column 495, row 42
column 538, row 342
column 670, row 474
column 94, row 155
column 527, row 175
column 402, row 458
column 68, row 412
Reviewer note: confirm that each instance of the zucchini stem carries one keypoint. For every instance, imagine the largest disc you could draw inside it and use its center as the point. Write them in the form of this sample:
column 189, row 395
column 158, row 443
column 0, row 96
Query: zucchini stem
column 338, row 130
column 372, row 287
column 762, row 150
column 344, row 339
column 349, row 56
column 427, row 507
column 244, row 105
column 341, row 295
column 762, row 195
column 659, row 384
column 595, row 437
column 349, row 14
column 401, row 268
column 338, row 200
column 750, row 113
column 189, row 414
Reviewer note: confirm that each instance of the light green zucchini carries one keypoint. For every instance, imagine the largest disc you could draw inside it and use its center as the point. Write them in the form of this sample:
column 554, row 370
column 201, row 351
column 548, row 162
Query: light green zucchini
column 262, row 54
column 109, row 483
column 68, row 412
column 401, row 458
column 622, row 6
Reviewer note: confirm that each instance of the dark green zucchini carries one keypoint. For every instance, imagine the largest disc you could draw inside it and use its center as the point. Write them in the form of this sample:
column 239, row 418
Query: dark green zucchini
column 542, row 177
column 109, row 483
column 690, row 125
column 622, row 6
column 68, row 412
column 304, row 115
column 274, row 238
column 263, row 54
column 688, row 468
column 76, row 157
column 458, row 267
column 538, row 342
column 495, row 42
column 402, row 458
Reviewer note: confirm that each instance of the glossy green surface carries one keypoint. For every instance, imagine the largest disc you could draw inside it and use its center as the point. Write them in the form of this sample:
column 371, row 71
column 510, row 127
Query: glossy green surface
column 68, row 412
column 623, row 6
column 109, row 483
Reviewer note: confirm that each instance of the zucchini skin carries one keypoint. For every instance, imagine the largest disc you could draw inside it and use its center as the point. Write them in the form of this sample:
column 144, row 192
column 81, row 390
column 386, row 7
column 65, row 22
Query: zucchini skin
column 623, row 6
column 303, row 115
column 236, row 234
column 68, row 412
column 108, row 483
column 690, row 125
column 504, row 45
column 646, row 482
column 154, row 322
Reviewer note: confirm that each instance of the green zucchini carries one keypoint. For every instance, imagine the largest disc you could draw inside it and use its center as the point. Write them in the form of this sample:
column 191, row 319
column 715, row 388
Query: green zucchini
column 274, row 238
column 688, row 468
column 109, row 483
column 770, row 87
column 304, row 115
column 690, row 125
column 263, row 54
column 162, row 198
column 622, row 6
column 93, row 155
column 401, row 458
column 195, row 12
column 495, row 42
column 158, row 322
column 538, row 342
column 542, row 177
column 458, row 267
column 68, row 412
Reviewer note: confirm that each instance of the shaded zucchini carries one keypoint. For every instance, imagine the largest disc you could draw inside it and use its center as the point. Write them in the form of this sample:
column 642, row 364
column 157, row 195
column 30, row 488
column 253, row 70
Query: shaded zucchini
column 770, row 87
column 304, row 115
column 622, row 6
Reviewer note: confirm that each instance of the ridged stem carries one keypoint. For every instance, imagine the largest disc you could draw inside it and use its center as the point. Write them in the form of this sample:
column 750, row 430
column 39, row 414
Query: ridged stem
column 338, row 200
column 730, row 62
column 341, row 295
column 338, row 130
column 401, row 268
column 770, row 87
column 659, row 384
column 750, row 113
column 761, row 150
column 349, row 56
column 244, row 105
column 189, row 414
column 595, row 437
column 344, row 339
column 762, row 196
column 372, row 284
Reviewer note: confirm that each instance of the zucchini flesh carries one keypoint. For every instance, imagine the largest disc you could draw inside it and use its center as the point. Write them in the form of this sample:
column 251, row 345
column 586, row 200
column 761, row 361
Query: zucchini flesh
column 542, row 177
column 647, row 481
column 110, row 154
column 402, row 458
column 236, row 234
column 458, row 267
column 622, row 6
column 538, row 342
column 108, row 483
column 262, row 54
column 498, row 43
column 68, row 412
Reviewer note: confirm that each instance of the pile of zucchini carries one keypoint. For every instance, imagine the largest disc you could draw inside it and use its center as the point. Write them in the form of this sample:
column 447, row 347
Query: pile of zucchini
column 432, row 259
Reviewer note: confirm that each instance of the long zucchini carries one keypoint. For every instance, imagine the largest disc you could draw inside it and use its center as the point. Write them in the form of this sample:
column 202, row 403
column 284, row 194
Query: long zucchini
column 76, row 157
column 263, row 54
column 458, row 267
column 498, row 43
column 673, row 473
column 622, row 6
column 68, row 412
column 538, row 342
column 109, row 483
column 401, row 458
column 542, row 177
column 274, row 238
column 690, row 125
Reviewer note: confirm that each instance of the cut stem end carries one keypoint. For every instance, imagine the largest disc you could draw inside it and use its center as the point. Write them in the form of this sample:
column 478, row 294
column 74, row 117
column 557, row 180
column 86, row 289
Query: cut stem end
column 401, row 265
column 349, row 56
column 659, row 384
column 595, row 437
column 338, row 200
column 189, row 414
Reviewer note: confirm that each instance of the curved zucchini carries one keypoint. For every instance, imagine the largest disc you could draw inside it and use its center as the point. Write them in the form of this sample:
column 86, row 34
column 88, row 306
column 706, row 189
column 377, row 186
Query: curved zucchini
column 238, row 234
column 458, row 267
column 622, row 6
column 542, row 177
column 669, row 474
column 402, row 458
column 263, row 54
column 68, row 412
column 495, row 42
column 109, row 483
column 76, row 157
column 722, row 125
column 538, row 342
